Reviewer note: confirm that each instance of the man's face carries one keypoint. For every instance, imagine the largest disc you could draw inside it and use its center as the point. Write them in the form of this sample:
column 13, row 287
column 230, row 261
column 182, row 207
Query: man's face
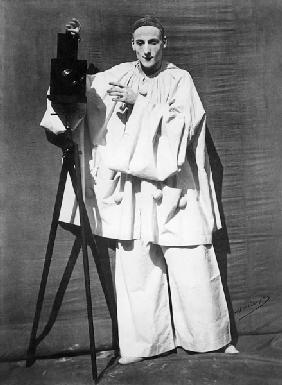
column 148, row 46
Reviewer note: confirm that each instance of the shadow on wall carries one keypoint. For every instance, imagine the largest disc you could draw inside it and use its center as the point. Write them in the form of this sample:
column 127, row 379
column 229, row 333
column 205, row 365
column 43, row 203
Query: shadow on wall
column 220, row 237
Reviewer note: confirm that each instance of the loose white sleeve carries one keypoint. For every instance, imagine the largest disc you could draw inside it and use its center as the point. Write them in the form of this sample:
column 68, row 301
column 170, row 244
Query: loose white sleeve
column 154, row 142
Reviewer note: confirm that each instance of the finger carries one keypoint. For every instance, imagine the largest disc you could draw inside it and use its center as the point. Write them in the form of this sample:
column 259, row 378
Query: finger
column 72, row 24
column 72, row 28
column 72, row 31
column 115, row 89
column 115, row 93
column 75, row 23
column 116, row 84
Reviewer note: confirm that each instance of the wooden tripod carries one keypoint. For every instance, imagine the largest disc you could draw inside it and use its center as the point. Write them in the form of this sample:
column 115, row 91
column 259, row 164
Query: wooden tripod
column 71, row 166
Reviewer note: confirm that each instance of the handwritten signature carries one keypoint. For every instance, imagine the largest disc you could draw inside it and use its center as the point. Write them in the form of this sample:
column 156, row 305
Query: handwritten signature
column 251, row 306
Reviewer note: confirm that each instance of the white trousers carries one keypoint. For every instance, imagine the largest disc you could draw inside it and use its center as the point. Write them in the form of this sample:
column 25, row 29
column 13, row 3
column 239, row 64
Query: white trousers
column 146, row 277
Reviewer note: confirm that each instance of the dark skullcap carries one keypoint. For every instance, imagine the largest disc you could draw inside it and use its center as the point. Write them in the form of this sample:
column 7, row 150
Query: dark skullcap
column 148, row 20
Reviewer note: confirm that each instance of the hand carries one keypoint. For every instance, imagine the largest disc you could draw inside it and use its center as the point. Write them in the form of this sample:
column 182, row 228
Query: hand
column 122, row 93
column 74, row 27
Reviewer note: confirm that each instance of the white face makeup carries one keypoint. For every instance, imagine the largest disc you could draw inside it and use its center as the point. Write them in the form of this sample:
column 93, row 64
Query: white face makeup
column 148, row 45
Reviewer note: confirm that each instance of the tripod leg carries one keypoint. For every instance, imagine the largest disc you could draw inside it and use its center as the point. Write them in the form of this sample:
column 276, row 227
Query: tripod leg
column 102, row 263
column 78, row 190
column 101, row 258
column 61, row 290
column 48, row 256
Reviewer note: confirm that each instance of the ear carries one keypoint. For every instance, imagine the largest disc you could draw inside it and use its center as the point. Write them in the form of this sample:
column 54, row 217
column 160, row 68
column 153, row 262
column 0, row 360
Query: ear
column 132, row 44
column 164, row 42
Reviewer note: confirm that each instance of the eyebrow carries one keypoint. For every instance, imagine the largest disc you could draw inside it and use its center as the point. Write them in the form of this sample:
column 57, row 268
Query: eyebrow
column 150, row 40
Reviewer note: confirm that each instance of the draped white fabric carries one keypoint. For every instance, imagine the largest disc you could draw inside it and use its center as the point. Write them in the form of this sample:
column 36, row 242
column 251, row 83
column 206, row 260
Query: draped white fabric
column 146, row 146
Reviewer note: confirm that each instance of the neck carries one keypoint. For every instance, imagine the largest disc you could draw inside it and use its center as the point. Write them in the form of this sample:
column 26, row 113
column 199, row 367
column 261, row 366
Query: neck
column 151, row 70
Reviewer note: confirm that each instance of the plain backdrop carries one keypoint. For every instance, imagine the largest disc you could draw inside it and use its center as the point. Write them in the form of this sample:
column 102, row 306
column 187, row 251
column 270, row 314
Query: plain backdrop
column 232, row 48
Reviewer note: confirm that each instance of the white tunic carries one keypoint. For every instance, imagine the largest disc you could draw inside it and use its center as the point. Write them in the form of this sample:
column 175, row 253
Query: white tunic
column 161, row 189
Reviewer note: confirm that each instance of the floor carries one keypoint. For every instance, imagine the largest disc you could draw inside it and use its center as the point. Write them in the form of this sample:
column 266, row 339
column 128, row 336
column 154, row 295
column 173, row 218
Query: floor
column 258, row 363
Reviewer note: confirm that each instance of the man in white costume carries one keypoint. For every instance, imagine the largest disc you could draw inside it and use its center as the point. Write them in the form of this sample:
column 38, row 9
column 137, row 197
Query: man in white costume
column 147, row 183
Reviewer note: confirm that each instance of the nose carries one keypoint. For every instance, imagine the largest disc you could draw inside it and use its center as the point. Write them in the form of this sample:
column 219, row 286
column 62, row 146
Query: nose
column 147, row 49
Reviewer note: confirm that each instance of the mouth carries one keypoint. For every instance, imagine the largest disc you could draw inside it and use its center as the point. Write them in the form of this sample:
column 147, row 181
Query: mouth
column 148, row 58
